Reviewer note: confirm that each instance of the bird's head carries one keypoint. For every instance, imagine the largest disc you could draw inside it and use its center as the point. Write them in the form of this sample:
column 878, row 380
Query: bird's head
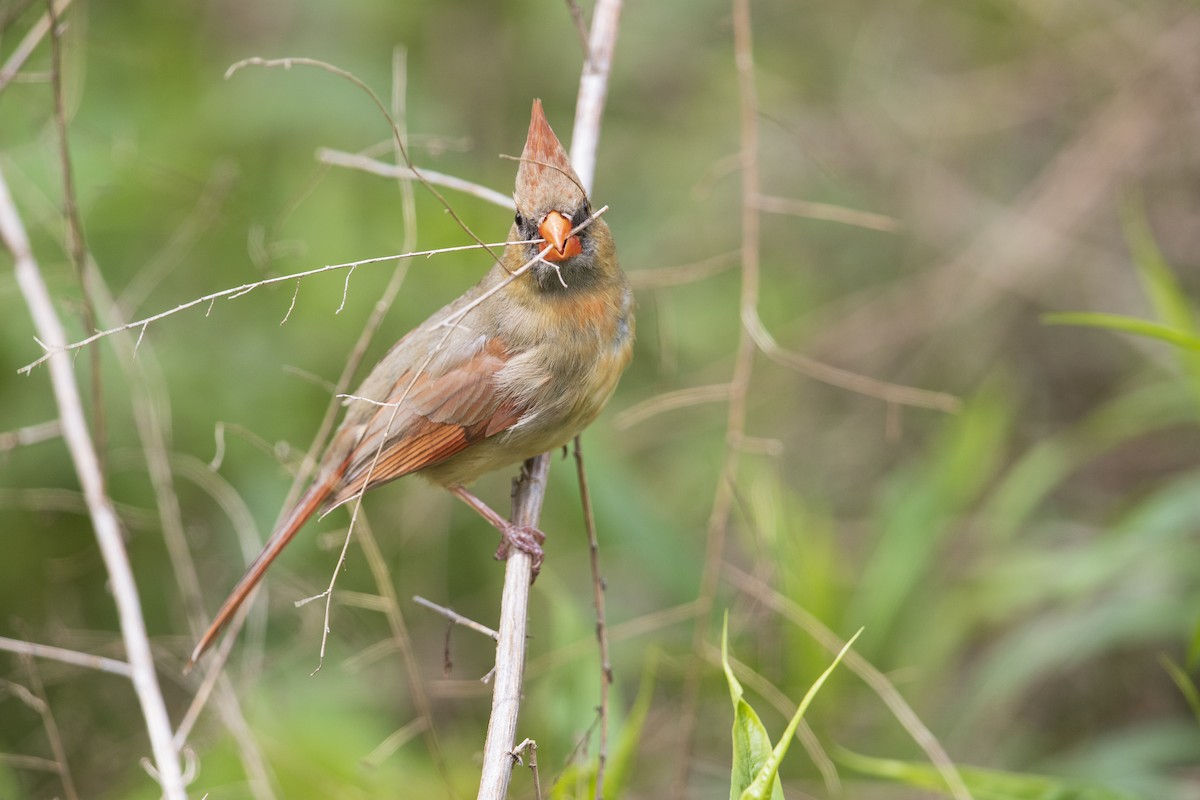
column 551, row 203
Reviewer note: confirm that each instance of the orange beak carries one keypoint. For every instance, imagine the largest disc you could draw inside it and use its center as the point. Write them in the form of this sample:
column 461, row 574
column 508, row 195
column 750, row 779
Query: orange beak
column 556, row 229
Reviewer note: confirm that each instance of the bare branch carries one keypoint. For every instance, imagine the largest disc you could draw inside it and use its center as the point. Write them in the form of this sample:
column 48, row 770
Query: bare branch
column 30, row 434
column 827, row 212
column 455, row 617
column 25, row 49
column 235, row 292
column 104, row 518
column 593, row 89
column 888, row 392
column 110, row 665
column 339, row 158
column 670, row 401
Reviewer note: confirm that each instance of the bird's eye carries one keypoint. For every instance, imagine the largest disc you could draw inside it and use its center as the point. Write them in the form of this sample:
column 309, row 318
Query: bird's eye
column 581, row 215
column 519, row 220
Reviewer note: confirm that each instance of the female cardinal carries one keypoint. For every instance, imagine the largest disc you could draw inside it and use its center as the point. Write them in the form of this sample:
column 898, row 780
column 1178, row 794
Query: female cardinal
column 503, row 373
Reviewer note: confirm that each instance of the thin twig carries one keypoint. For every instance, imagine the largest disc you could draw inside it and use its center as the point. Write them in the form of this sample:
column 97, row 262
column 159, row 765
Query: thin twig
column 670, row 401
column 647, row 623
column 739, row 385
column 397, row 136
column 580, row 28
column 239, row 291
column 598, row 587
column 827, row 212
column 104, row 518
column 400, row 635
column 530, row 746
column 51, row 727
column 891, row 393
column 339, row 158
column 76, row 243
column 25, row 48
column 394, row 742
column 593, row 90
column 456, row 618
column 663, row 277
column 151, row 412
column 110, row 665
column 30, row 434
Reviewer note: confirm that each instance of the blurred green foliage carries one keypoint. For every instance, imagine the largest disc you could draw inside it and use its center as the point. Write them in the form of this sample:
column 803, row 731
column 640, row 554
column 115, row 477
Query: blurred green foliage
column 1023, row 569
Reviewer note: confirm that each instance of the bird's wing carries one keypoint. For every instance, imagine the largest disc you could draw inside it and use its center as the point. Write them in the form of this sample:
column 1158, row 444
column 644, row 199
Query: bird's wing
column 426, row 418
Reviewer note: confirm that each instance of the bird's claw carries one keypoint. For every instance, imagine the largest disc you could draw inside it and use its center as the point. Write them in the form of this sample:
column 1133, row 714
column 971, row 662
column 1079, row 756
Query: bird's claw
column 525, row 538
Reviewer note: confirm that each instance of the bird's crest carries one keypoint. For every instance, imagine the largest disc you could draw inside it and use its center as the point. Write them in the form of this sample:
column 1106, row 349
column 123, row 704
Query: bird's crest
column 545, row 179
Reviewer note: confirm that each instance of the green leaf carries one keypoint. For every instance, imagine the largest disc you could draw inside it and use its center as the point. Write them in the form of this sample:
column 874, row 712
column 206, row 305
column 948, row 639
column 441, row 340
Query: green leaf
column 768, row 774
column 755, row 774
column 751, row 744
column 984, row 784
column 1117, row 322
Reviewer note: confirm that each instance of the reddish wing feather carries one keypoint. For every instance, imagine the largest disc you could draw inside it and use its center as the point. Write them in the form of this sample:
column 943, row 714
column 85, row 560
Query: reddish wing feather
column 437, row 418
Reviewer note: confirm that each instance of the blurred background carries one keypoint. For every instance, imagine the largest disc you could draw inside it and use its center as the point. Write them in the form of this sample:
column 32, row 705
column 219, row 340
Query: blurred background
column 935, row 177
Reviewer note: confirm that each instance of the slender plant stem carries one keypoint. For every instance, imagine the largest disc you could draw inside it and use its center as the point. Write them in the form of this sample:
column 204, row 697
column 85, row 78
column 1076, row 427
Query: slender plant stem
column 606, row 674
column 100, row 507
column 739, row 385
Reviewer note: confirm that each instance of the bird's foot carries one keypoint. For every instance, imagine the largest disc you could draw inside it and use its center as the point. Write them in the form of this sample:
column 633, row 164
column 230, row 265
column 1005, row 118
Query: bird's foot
column 525, row 538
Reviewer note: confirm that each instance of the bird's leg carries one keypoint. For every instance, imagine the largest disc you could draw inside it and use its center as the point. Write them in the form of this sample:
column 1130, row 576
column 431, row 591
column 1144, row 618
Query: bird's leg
column 525, row 538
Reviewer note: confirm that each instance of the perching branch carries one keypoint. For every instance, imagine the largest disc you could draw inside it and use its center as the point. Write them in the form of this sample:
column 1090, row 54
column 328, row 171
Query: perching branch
column 530, row 490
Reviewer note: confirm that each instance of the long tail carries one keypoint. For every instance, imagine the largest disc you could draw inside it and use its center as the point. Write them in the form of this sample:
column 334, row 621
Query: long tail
column 308, row 505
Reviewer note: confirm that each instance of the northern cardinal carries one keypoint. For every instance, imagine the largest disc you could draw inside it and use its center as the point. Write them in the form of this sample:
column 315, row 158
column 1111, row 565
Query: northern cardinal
column 471, row 391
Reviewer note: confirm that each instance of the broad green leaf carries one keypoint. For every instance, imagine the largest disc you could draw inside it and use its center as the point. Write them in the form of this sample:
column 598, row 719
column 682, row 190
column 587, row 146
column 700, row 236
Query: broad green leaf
column 1117, row 322
column 755, row 774
column 768, row 774
column 751, row 744
column 984, row 784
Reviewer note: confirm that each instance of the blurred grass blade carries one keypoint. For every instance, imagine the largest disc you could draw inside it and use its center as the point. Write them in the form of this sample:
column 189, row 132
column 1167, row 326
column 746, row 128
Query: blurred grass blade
column 1186, row 687
column 920, row 512
column 751, row 744
column 1118, row 322
column 623, row 754
column 985, row 784
column 1193, row 654
column 573, row 779
column 1170, row 302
